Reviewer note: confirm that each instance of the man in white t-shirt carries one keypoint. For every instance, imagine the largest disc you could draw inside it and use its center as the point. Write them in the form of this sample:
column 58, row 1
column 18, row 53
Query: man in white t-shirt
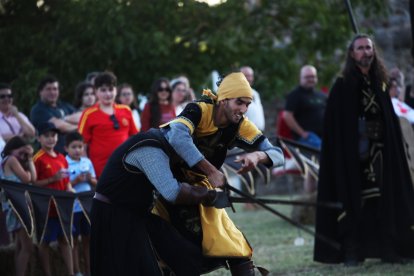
column 255, row 111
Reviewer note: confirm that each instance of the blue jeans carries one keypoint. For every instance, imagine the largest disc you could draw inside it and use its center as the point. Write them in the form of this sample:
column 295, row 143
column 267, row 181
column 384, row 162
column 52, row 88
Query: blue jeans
column 312, row 140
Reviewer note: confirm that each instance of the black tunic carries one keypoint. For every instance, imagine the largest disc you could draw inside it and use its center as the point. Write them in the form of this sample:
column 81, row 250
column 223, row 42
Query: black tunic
column 340, row 177
column 124, row 233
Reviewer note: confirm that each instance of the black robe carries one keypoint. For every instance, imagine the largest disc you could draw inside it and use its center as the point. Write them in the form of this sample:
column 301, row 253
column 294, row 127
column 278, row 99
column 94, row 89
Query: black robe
column 339, row 175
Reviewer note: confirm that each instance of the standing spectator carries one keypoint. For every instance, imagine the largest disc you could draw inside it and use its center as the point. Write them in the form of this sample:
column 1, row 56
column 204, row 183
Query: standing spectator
column 409, row 93
column 127, row 97
column 304, row 111
column 82, row 177
column 50, row 109
column 255, row 111
column 12, row 122
column 400, row 108
column 183, row 78
column 51, row 167
column 105, row 125
column 84, row 97
column 363, row 167
column 305, row 107
column 17, row 165
column 159, row 109
column 398, row 76
column 180, row 95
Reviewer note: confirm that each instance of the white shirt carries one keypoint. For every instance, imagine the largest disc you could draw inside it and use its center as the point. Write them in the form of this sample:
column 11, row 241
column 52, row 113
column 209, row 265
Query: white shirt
column 255, row 111
column 403, row 110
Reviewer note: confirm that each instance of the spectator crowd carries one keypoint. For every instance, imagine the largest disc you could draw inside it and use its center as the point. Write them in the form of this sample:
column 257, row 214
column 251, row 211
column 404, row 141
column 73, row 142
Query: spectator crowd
column 75, row 140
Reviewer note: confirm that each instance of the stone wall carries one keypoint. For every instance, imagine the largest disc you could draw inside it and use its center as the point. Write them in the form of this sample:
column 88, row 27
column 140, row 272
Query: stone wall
column 393, row 36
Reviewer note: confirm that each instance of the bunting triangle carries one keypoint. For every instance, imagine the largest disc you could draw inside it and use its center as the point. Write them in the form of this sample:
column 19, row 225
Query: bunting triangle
column 40, row 203
column 18, row 202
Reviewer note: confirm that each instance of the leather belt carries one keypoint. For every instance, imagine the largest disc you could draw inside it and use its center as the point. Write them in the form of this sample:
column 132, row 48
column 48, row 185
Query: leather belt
column 102, row 198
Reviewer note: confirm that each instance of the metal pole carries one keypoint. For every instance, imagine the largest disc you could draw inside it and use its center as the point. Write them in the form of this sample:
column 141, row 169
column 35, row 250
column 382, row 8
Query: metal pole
column 351, row 16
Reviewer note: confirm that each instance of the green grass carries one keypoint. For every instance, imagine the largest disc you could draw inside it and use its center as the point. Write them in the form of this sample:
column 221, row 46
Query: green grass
column 272, row 240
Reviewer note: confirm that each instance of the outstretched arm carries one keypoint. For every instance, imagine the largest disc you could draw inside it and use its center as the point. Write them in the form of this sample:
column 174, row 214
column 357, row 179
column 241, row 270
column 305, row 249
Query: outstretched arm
column 178, row 136
column 266, row 154
column 154, row 163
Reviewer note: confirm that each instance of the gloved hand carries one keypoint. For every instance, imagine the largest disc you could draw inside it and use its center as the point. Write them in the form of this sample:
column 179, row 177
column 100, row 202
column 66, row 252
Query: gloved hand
column 220, row 201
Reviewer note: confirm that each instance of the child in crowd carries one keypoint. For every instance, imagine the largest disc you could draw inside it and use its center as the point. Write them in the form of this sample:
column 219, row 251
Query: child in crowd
column 17, row 165
column 105, row 125
column 51, row 168
column 82, row 177
column 84, row 97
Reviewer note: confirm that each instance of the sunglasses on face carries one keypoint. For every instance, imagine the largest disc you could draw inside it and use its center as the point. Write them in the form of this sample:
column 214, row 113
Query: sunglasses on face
column 10, row 96
column 115, row 121
column 162, row 89
column 126, row 95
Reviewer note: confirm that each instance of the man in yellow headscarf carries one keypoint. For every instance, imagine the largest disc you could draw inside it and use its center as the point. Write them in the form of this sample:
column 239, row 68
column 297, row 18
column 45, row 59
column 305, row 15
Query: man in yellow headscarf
column 201, row 135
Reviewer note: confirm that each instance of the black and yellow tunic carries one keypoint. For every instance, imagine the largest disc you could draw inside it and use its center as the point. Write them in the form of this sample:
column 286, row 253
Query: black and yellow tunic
column 210, row 226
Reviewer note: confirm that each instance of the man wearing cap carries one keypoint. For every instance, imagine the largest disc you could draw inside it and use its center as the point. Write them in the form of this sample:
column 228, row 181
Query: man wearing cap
column 181, row 161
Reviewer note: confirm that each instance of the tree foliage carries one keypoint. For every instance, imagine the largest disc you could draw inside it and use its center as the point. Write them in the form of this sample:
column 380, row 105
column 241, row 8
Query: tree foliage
column 143, row 40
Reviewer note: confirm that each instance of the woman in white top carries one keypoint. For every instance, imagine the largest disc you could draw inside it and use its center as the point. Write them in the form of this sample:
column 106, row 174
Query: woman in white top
column 12, row 122
column 180, row 95
column 127, row 97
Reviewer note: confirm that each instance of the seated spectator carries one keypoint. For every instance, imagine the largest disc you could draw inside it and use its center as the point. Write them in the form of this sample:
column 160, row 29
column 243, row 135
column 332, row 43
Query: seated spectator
column 12, row 122
column 127, row 97
column 84, row 97
column 159, row 109
column 50, row 109
column 105, row 125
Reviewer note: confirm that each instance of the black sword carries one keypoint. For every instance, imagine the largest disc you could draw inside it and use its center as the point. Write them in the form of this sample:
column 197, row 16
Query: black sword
column 328, row 241
column 332, row 205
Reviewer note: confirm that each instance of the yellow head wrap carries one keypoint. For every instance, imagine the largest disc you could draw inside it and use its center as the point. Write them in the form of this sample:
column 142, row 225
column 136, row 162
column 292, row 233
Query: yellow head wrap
column 233, row 86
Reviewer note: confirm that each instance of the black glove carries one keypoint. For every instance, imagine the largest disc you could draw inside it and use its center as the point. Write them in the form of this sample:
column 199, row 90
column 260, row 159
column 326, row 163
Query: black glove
column 222, row 200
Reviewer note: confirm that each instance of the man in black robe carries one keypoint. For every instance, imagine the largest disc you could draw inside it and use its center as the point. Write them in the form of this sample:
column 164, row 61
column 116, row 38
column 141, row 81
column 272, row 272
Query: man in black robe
column 364, row 168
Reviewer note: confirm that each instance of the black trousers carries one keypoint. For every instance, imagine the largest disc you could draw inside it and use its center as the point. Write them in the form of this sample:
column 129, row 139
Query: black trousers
column 125, row 243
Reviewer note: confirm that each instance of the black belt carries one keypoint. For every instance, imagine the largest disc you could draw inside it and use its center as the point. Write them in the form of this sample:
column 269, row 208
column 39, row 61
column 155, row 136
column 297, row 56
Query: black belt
column 102, row 198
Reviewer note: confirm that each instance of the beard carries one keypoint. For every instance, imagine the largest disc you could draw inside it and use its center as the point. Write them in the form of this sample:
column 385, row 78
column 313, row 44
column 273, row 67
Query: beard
column 365, row 61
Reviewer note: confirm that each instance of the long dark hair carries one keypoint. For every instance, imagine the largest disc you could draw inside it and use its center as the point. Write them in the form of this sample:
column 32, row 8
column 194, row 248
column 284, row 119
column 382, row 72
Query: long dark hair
column 80, row 89
column 134, row 104
column 377, row 70
column 14, row 143
column 154, row 101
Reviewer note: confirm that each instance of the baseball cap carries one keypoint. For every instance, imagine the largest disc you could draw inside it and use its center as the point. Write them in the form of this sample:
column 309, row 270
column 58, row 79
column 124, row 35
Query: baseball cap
column 45, row 127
